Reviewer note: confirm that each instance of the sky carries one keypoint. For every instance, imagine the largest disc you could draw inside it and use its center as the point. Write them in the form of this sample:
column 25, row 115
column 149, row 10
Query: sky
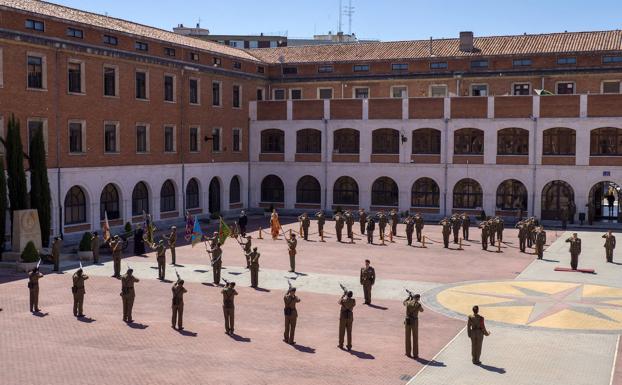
column 380, row 19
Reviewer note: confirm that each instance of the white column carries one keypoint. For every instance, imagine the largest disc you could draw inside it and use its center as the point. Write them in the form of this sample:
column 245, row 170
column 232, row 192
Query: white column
column 290, row 143
column 490, row 146
column 365, row 109
column 583, row 146
column 582, row 108
column 491, row 107
column 290, row 109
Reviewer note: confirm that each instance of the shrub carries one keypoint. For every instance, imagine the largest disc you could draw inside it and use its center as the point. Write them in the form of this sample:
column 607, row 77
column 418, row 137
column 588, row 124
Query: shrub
column 215, row 215
column 85, row 242
column 30, row 253
column 127, row 227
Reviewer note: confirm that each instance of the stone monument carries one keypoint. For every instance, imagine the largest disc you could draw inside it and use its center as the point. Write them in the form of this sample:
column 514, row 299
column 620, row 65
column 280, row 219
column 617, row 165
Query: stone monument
column 25, row 228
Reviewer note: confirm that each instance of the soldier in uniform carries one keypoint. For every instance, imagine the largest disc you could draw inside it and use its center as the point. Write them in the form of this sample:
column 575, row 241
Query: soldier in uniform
column 499, row 227
column 575, row 250
column 228, row 307
column 160, row 249
column 78, row 292
column 456, row 223
column 395, row 218
column 492, row 231
column 172, row 241
column 531, row 226
column 382, row 223
column 485, row 230
column 346, row 317
column 321, row 219
column 411, row 325
column 57, row 246
column 419, row 223
column 254, row 260
column 476, row 330
column 349, row 224
column 247, row 247
column 522, row 235
column 339, row 221
column 466, row 223
column 540, row 241
column 564, row 218
column 610, row 245
column 371, row 226
column 127, row 294
column 177, row 307
column 216, row 258
column 33, row 288
column 95, row 246
column 362, row 220
column 117, row 249
column 305, row 223
column 446, row 231
column 242, row 222
column 410, row 229
column 368, row 278
column 291, row 315
column 291, row 248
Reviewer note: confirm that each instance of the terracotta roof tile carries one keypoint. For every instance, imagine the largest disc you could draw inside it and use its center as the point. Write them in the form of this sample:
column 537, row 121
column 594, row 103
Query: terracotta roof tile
column 119, row 25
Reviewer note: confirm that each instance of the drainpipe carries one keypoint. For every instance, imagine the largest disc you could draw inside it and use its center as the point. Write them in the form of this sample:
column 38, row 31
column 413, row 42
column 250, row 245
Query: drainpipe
column 181, row 142
column 57, row 124
column 248, row 167
column 535, row 165
column 325, row 161
column 445, row 164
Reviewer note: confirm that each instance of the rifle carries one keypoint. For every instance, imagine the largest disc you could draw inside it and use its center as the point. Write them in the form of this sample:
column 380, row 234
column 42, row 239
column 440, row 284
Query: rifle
column 39, row 263
column 410, row 293
column 226, row 282
column 178, row 277
column 289, row 284
column 80, row 264
column 345, row 289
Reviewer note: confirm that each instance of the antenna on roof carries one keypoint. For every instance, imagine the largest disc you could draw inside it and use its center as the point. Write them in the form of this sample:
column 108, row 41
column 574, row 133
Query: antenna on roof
column 431, row 53
column 340, row 13
column 349, row 11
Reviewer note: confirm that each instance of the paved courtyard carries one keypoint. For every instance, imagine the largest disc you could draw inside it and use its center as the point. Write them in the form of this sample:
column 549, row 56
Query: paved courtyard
column 547, row 327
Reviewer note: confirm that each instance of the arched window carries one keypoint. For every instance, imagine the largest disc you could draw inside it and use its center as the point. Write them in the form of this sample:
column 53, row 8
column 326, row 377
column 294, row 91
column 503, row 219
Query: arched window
column 346, row 191
column 109, row 203
column 346, row 141
column 308, row 190
column 425, row 193
column 167, row 197
column 385, row 141
column 309, row 141
column 513, row 141
column 511, row 195
column 469, row 141
column 213, row 205
column 559, row 141
column 426, row 141
column 192, row 194
column 606, row 141
column 556, row 195
column 272, row 141
column 75, row 206
column 234, row 190
column 272, row 189
column 140, row 199
column 467, row 194
column 384, row 192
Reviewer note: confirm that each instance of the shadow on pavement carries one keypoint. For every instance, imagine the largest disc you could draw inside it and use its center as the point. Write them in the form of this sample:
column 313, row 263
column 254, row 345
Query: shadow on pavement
column 187, row 333
column 362, row 355
column 86, row 320
column 304, row 349
column 492, row 368
column 377, row 307
column 549, row 260
column 135, row 325
column 430, row 363
column 201, row 271
column 261, row 289
column 40, row 314
column 240, row 338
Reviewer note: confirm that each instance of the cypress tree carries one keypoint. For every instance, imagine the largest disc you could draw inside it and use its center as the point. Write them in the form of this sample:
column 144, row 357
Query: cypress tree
column 2, row 206
column 18, row 193
column 40, row 196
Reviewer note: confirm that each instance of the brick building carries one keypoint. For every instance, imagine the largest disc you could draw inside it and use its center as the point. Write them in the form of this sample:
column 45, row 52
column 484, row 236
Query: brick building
column 136, row 118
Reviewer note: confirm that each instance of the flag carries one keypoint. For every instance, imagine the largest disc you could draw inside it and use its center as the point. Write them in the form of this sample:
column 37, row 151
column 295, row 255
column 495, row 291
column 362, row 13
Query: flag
column 223, row 232
column 189, row 226
column 543, row 92
column 149, row 227
column 106, row 228
column 197, row 233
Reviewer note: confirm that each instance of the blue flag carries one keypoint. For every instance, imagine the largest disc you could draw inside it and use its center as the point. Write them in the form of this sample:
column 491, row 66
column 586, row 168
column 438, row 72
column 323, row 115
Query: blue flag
column 197, row 233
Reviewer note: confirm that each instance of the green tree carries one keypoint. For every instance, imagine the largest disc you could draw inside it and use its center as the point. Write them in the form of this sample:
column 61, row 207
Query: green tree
column 18, row 193
column 2, row 205
column 40, row 196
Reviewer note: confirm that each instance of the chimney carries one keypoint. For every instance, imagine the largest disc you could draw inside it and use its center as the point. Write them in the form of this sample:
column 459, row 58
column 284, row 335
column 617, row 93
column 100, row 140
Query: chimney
column 466, row 41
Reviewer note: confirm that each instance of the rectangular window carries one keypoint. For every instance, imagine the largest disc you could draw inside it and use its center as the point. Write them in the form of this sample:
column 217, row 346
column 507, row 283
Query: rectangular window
column 140, row 46
column 169, row 139
column 169, row 51
column 236, row 43
column 111, row 133
column 253, row 44
column 361, row 92
column 399, row 67
column 259, row 93
column 237, row 65
column 194, row 139
column 290, row 70
column 141, row 85
column 325, row 69
column 438, row 65
column 479, row 64
column 35, row 72
column 74, row 32
column 325, row 93
column 237, row 96
column 479, row 89
column 612, row 59
column 295, row 93
column 216, row 140
column 35, row 25
column 611, row 87
column 567, row 60
column 565, row 88
column 38, row 124
column 216, row 86
column 169, row 88
column 361, row 68
column 194, row 91
column 273, row 44
column 75, row 137
column 237, row 140
column 217, row 62
column 438, row 91
column 521, row 89
column 110, row 81
column 399, row 92
column 521, row 62
column 141, row 139
column 111, row 40
column 194, row 56
column 261, row 69
column 74, row 77
column 279, row 94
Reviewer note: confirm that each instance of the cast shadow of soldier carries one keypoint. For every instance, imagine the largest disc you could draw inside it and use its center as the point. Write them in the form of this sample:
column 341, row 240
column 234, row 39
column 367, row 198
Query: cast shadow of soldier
column 86, row 320
column 434, row 363
column 493, row 369
column 40, row 314
column 361, row 355
column 187, row 333
column 137, row 325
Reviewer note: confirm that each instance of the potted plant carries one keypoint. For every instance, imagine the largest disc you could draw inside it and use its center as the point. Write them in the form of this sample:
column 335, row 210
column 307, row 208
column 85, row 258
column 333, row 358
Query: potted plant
column 84, row 249
column 128, row 229
column 29, row 257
